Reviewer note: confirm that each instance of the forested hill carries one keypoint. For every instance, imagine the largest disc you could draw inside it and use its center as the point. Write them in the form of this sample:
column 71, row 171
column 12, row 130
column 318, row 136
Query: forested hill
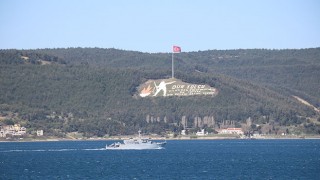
column 293, row 70
column 93, row 90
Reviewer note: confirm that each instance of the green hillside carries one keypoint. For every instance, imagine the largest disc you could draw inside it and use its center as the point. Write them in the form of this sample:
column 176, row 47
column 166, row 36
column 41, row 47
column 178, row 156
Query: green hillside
column 289, row 69
column 93, row 91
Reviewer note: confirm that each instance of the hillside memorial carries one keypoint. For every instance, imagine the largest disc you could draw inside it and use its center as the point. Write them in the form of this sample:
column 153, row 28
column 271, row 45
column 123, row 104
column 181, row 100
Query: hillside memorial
column 174, row 87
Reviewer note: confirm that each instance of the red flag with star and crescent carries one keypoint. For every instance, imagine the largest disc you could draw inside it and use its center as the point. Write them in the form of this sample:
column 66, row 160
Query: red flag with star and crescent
column 176, row 49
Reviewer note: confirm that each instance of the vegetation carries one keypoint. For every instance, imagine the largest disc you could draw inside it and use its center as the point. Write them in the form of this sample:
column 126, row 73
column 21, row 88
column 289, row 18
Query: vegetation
column 93, row 90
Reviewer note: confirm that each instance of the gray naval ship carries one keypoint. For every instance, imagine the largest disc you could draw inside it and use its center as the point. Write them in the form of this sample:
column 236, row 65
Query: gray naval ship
column 137, row 143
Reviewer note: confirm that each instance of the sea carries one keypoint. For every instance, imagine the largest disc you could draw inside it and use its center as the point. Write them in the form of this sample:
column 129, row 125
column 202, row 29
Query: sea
column 181, row 159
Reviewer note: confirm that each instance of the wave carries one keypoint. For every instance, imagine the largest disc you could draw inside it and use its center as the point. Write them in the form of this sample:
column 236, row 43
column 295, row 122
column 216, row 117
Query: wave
column 136, row 149
column 63, row 150
column 98, row 149
column 50, row 150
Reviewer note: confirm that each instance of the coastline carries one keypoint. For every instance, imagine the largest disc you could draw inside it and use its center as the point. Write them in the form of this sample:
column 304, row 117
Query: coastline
column 119, row 138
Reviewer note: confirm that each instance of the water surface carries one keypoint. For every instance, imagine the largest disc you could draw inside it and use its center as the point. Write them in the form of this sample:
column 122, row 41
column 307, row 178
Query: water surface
column 188, row 159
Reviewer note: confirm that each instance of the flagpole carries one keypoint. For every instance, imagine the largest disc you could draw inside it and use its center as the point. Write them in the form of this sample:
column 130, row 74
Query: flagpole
column 172, row 67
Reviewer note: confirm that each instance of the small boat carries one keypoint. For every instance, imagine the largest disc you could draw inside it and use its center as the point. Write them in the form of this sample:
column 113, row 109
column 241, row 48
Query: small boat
column 137, row 144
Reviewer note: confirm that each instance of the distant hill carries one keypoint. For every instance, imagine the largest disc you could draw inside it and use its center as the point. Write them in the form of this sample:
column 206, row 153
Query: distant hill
column 289, row 69
column 93, row 90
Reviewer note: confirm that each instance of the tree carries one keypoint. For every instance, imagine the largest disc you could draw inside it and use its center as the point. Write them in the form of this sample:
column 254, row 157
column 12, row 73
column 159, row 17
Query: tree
column 8, row 122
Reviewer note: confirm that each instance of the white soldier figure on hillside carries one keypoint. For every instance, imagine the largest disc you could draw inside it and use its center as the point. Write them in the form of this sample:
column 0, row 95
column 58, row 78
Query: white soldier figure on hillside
column 162, row 86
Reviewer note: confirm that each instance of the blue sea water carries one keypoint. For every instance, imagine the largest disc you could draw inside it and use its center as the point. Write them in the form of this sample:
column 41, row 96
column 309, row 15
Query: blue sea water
column 188, row 159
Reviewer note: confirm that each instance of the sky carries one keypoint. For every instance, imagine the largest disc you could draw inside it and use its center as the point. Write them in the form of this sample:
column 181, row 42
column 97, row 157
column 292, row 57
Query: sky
column 156, row 25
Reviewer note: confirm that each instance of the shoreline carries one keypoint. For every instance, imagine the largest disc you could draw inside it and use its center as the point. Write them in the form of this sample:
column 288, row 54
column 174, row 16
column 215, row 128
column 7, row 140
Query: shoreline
column 120, row 138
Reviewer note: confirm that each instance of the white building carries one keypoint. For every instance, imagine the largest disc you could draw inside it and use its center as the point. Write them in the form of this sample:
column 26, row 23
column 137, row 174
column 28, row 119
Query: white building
column 40, row 132
column 201, row 133
column 231, row 131
column 2, row 134
column 183, row 132
column 12, row 130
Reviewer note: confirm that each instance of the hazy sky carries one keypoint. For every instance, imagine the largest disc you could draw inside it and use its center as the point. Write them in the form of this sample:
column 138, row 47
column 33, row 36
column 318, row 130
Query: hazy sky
column 154, row 26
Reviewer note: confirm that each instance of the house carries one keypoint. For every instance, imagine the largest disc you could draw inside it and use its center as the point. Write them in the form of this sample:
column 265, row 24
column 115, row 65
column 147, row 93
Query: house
column 12, row 130
column 183, row 132
column 40, row 132
column 201, row 133
column 231, row 131
column 2, row 133
column 22, row 131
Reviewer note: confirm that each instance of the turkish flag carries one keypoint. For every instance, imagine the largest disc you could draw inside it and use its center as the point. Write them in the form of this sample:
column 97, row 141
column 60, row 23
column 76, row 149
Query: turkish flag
column 176, row 49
